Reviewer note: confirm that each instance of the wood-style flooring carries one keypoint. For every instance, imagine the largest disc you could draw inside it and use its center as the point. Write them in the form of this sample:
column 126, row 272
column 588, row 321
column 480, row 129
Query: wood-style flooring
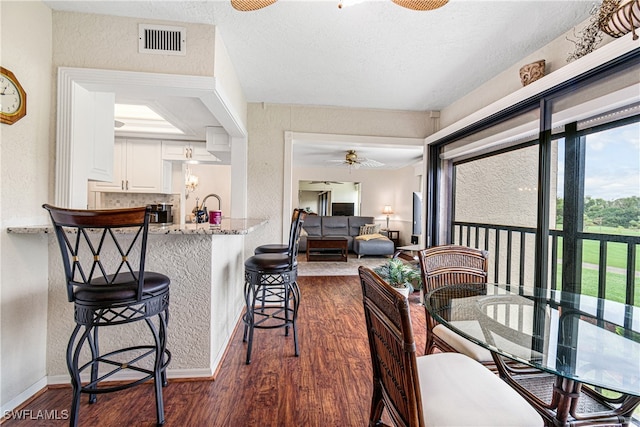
column 328, row 385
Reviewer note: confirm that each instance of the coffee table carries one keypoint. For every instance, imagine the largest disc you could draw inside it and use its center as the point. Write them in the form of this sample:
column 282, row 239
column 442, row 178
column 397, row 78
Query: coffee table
column 327, row 248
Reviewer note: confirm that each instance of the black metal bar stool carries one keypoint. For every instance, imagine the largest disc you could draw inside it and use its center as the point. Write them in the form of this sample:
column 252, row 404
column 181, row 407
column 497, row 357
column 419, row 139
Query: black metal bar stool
column 279, row 248
column 271, row 290
column 103, row 253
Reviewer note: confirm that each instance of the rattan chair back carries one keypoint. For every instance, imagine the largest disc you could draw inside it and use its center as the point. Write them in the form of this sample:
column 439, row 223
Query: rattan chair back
column 449, row 265
column 393, row 353
column 452, row 265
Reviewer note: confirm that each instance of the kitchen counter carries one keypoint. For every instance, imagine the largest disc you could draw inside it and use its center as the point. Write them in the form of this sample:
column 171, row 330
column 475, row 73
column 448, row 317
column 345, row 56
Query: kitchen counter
column 229, row 226
column 206, row 268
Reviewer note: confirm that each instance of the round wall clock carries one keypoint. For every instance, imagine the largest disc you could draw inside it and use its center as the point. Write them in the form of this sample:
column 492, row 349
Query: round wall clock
column 13, row 99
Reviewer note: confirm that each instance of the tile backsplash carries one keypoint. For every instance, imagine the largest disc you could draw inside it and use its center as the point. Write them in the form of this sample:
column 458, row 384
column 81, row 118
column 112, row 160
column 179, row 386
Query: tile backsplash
column 127, row 200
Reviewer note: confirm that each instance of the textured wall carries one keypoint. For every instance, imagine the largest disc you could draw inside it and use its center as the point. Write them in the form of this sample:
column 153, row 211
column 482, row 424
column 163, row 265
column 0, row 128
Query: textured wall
column 111, row 43
column 25, row 159
column 555, row 54
column 267, row 125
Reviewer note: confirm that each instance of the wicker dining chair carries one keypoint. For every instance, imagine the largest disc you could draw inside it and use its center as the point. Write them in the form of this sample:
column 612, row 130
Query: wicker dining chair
column 451, row 265
column 446, row 389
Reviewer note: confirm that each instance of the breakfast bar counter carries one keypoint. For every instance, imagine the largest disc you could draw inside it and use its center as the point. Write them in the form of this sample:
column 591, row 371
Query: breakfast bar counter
column 206, row 268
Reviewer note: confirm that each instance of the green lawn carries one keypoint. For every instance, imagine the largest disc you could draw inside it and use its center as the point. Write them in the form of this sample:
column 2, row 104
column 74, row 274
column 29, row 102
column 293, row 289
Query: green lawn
column 616, row 286
column 616, row 257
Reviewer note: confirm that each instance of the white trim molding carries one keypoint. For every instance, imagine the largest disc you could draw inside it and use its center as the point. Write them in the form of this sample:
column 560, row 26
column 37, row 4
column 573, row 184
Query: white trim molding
column 71, row 170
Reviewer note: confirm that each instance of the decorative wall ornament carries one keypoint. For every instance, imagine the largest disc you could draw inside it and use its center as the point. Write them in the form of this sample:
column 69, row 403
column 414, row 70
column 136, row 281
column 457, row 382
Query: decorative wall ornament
column 618, row 17
column 588, row 39
column 531, row 72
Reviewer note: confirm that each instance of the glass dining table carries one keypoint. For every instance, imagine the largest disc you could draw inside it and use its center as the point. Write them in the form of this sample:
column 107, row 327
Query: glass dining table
column 549, row 344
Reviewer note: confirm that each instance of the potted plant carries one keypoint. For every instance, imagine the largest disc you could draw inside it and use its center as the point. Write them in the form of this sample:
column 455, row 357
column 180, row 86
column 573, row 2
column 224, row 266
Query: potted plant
column 402, row 276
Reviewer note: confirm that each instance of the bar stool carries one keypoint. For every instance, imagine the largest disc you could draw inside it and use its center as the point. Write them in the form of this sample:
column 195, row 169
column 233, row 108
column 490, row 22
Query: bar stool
column 278, row 248
column 271, row 290
column 103, row 253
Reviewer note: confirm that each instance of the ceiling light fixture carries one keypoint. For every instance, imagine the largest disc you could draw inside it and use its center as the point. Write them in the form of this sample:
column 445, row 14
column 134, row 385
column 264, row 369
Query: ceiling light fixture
column 141, row 118
column 251, row 5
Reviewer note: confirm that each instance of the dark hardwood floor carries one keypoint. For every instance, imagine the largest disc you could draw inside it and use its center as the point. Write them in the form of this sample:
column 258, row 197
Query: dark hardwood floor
column 328, row 385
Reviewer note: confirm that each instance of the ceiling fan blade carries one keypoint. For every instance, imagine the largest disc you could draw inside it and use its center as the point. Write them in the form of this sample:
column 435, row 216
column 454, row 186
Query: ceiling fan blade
column 421, row 4
column 370, row 163
column 249, row 5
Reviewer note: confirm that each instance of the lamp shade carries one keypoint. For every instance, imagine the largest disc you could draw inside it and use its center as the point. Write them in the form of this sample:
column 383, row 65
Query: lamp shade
column 387, row 210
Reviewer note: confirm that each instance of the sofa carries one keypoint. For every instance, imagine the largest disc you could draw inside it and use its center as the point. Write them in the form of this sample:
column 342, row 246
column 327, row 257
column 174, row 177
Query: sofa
column 349, row 227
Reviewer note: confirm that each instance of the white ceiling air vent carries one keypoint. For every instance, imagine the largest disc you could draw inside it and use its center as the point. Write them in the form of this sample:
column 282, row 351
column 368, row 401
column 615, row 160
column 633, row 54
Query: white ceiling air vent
column 162, row 39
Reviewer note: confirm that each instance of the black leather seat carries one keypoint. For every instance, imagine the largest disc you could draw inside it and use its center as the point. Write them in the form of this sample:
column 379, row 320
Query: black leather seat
column 103, row 254
column 278, row 248
column 271, row 290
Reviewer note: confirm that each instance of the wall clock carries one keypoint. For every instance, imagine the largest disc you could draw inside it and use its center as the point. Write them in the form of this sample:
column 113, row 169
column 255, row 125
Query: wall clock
column 13, row 99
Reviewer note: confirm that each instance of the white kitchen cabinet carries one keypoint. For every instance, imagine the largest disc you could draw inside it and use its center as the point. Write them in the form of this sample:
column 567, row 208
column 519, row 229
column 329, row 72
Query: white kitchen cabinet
column 138, row 167
column 187, row 151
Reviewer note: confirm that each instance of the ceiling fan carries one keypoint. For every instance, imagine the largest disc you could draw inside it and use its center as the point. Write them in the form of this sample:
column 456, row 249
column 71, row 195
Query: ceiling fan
column 351, row 159
column 249, row 5
column 325, row 182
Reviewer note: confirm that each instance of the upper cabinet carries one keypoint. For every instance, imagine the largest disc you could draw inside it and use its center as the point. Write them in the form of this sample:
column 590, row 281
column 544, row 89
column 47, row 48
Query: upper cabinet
column 138, row 167
column 187, row 151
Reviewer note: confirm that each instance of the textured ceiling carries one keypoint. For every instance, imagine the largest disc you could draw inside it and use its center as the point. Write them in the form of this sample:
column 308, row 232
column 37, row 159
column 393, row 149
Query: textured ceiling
column 370, row 55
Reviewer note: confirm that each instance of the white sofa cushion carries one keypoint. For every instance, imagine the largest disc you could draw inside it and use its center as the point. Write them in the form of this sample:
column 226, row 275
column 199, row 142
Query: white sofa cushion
column 458, row 391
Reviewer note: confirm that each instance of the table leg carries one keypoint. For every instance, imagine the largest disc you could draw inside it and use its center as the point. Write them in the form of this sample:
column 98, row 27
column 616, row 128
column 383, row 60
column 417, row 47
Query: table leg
column 565, row 397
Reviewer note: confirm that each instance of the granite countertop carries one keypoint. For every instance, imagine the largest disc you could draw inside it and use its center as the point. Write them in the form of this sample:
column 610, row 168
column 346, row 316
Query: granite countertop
column 228, row 226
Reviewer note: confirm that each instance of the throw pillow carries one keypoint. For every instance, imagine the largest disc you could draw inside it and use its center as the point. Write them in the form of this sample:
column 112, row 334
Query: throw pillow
column 369, row 229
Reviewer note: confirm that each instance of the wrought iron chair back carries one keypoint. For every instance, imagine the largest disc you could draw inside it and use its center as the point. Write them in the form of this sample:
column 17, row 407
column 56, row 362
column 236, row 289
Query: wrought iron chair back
column 83, row 234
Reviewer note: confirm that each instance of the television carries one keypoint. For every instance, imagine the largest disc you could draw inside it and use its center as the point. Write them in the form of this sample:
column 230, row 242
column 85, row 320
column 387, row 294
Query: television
column 342, row 209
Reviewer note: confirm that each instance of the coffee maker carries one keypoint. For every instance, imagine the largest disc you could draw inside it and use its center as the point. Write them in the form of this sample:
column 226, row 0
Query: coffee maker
column 161, row 214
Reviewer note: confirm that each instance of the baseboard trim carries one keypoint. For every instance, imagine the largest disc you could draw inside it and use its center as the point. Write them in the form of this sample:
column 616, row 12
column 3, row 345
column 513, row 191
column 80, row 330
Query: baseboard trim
column 201, row 373
column 24, row 397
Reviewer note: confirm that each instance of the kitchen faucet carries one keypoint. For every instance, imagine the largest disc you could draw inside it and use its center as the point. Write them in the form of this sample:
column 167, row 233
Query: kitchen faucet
column 211, row 195
column 201, row 211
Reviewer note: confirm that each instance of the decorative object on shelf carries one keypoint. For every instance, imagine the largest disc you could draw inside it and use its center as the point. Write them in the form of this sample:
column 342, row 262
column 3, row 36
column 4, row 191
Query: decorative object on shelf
column 588, row 39
column 400, row 275
column 190, row 181
column 531, row 72
column 13, row 104
column 618, row 17
column 387, row 211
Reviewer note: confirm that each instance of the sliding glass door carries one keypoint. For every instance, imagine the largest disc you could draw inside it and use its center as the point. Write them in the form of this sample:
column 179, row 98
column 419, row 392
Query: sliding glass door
column 551, row 190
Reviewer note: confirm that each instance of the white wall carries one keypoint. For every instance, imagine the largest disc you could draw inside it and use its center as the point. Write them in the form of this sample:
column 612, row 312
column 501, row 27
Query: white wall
column 267, row 125
column 25, row 154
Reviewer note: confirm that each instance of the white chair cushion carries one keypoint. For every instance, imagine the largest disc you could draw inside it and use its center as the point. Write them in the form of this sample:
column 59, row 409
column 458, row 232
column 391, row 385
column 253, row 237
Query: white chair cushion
column 458, row 391
column 473, row 350
column 463, row 345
